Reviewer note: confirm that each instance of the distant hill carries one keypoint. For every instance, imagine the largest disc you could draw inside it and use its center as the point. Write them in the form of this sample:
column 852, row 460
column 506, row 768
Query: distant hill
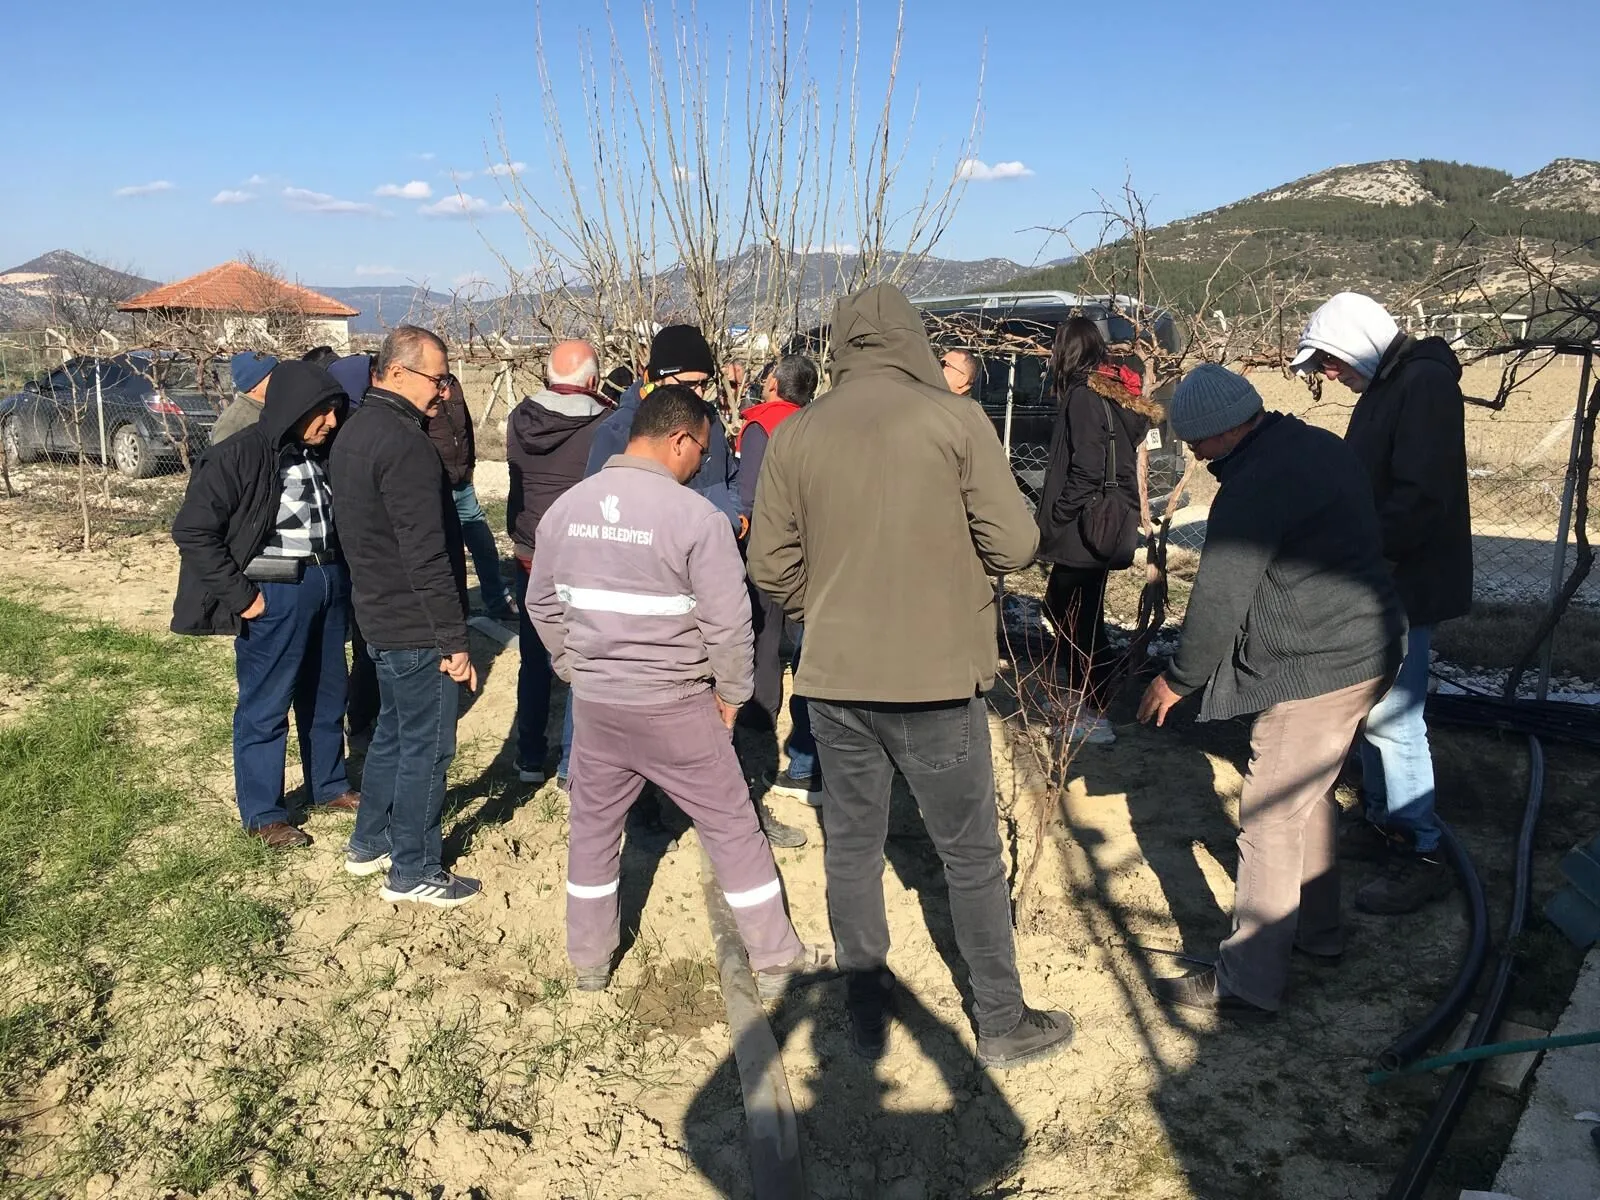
column 27, row 290
column 382, row 308
column 1382, row 227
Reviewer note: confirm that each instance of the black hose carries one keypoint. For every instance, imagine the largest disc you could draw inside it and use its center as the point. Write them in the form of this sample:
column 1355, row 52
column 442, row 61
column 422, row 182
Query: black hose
column 1414, row 1041
column 1435, row 1133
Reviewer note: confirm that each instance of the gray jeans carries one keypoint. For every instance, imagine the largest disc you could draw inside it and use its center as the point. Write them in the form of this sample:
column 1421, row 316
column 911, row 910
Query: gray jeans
column 943, row 751
column 1287, row 890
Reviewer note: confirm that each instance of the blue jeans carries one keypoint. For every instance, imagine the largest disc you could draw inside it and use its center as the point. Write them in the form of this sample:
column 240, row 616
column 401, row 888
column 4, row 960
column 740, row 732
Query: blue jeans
column 402, row 785
column 1396, row 764
column 475, row 532
column 801, row 747
column 535, row 677
column 292, row 655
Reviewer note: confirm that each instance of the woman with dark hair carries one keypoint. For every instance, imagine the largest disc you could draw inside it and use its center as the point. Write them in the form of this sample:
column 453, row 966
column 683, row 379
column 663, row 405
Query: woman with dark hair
column 1089, row 507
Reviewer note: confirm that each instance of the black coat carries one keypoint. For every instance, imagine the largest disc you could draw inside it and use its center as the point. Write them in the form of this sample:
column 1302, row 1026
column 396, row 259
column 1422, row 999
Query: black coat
column 546, row 453
column 1292, row 599
column 399, row 529
column 231, row 506
column 1077, row 465
column 1408, row 430
column 451, row 432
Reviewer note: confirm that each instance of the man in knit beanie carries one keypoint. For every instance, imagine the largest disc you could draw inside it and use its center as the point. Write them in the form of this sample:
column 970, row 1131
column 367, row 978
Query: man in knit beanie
column 1294, row 618
column 1408, row 429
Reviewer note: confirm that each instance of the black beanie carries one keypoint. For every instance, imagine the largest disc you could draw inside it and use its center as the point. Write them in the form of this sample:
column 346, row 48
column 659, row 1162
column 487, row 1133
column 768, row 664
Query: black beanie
column 676, row 349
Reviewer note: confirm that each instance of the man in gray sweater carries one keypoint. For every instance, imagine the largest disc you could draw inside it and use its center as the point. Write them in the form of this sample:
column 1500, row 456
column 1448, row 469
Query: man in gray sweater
column 638, row 593
column 1293, row 617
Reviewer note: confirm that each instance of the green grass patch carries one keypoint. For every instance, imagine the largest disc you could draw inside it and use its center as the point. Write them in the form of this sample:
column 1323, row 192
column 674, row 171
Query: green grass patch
column 109, row 871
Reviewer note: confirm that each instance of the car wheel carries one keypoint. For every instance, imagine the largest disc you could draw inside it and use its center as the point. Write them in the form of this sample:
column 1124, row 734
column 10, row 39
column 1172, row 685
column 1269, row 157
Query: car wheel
column 132, row 453
column 11, row 443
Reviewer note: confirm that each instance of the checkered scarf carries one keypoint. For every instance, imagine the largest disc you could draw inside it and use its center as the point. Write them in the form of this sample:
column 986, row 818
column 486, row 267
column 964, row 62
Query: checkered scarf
column 305, row 509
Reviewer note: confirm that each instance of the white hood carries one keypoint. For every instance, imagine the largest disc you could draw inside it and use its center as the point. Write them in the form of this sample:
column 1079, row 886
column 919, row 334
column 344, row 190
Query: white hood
column 1355, row 329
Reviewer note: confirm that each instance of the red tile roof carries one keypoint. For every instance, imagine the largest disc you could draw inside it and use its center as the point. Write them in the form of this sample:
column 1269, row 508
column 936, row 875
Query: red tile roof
column 237, row 287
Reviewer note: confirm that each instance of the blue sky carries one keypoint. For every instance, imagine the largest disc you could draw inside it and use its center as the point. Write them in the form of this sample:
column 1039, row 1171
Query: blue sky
column 275, row 126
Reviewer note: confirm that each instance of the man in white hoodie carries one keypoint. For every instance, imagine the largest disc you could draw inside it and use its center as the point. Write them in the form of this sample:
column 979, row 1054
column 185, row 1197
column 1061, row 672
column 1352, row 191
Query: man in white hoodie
column 1408, row 429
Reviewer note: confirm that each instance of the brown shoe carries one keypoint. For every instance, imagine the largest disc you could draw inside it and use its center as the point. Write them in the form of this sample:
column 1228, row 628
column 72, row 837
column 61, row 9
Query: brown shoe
column 344, row 802
column 280, row 835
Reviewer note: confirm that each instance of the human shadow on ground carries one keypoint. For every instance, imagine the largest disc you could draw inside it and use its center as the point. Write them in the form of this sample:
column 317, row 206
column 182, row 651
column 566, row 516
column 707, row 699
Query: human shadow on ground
column 869, row 1129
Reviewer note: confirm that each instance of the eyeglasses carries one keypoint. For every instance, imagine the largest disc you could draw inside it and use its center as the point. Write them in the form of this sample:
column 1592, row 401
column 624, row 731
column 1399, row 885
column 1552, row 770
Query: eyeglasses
column 440, row 382
column 705, row 447
column 695, row 385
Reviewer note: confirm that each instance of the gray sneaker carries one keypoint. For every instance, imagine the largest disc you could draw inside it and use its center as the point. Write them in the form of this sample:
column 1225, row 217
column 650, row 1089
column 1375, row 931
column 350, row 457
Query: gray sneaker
column 1037, row 1035
column 442, row 890
column 592, row 979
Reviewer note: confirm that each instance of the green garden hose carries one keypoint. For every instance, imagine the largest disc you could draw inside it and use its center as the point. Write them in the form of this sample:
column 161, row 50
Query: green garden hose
column 1494, row 1050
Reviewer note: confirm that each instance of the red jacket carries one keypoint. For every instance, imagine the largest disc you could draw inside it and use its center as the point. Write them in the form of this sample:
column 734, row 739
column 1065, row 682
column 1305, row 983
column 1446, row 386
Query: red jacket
column 769, row 414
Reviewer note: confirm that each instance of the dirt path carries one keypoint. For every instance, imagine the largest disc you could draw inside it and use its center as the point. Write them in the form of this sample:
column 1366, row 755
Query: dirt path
column 633, row 1094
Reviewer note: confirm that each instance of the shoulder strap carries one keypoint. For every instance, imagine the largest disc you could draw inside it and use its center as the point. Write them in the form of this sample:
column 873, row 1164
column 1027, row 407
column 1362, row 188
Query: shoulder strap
column 1110, row 480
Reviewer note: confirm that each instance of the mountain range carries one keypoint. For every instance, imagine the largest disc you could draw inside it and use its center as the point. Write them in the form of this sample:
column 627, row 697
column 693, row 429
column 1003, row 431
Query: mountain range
column 1385, row 228
column 1381, row 227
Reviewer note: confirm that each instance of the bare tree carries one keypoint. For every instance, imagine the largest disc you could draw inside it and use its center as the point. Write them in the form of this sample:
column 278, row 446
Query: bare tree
column 674, row 200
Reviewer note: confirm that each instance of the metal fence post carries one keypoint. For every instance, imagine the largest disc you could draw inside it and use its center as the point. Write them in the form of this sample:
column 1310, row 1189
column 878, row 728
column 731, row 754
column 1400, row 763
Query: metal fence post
column 1005, row 442
column 1569, row 490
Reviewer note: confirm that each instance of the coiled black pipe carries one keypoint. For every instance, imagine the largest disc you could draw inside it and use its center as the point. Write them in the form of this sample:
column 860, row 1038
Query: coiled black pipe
column 1435, row 1133
column 1411, row 1044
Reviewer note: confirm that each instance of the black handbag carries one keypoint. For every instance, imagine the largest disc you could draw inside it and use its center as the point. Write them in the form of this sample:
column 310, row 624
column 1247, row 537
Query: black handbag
column 1108, row 524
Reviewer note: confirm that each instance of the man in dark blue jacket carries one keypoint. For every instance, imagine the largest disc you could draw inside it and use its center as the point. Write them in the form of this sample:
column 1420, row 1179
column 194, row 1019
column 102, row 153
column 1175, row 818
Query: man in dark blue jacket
column 260, row 560
column 678, row 354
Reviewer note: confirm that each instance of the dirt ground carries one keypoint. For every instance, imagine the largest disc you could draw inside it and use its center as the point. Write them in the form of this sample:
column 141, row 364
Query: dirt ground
column 633, row 1093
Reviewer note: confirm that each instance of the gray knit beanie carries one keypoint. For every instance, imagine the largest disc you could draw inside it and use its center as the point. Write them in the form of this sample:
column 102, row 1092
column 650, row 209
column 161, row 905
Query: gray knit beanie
column 1210, row 400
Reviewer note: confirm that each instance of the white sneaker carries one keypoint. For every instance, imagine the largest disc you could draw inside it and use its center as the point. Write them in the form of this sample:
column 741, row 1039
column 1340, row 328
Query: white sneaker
column 1091, row 731
column 529, row 774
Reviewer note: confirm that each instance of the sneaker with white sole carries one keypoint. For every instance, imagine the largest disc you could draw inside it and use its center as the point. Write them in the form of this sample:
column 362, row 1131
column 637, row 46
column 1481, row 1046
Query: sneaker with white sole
column 1089, row 731
column 808, row 788
column 442, row 890
column 361, row 865
column 529, row 774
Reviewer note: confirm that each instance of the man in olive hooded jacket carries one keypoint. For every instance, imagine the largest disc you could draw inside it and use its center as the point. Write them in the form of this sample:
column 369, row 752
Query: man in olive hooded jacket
column 884, row 507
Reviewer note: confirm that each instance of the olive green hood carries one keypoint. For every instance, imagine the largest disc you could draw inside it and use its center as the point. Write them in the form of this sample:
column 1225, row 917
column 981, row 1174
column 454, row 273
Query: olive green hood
column 876, row 331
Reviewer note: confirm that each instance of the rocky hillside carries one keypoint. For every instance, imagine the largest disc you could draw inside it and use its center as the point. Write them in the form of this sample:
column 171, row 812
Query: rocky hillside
column 1567, row 183
column 31, row 292
column 1386, row 228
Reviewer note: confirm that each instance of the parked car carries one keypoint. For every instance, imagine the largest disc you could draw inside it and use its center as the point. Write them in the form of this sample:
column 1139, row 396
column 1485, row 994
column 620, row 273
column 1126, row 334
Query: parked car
column 1014, row 385
column 1011, row 333
column 153, row 410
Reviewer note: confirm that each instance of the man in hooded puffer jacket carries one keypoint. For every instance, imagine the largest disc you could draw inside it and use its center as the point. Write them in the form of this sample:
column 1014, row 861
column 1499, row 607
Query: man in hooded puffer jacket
column 1408, row 429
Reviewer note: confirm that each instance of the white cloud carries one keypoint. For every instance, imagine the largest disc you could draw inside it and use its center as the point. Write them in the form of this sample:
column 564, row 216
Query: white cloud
column 684, row 175
column 415, row 190
column 255, row 181
column 232, row 196
column 501, row 170
column 831, row 248
column 427, row 156
column 461, row 204
column 471, row 281
column 377, row 272
column 981, row 172
column 146, row 189
column 305, row 200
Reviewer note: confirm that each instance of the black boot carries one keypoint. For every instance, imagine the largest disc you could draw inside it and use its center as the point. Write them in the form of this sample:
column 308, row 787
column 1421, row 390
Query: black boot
column 1036, row 1035
column 869, row 999
column 785, row 837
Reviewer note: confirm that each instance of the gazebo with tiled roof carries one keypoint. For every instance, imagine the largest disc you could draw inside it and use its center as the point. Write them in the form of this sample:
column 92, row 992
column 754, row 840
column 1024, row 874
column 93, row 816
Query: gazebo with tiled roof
column 246, row 304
